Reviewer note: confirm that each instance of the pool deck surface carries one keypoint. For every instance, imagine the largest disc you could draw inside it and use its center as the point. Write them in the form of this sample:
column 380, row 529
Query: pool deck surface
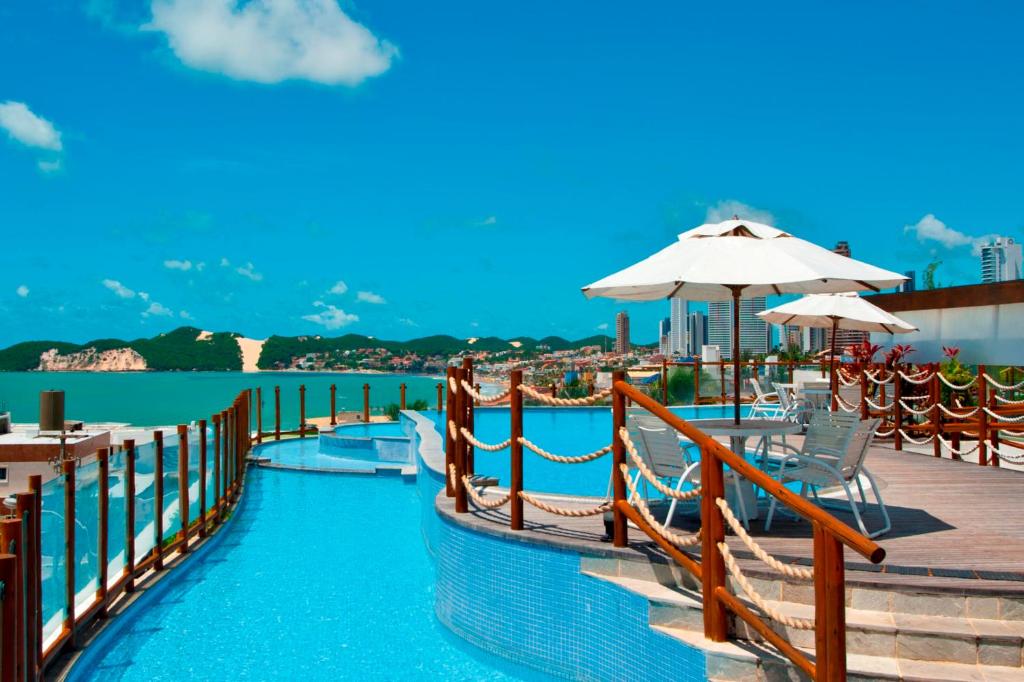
column 957, row 527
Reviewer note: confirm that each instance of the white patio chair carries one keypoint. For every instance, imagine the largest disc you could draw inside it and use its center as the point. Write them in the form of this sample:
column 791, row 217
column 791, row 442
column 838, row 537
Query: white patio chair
column 792, row 408
column 833, row 453
column 765, row 405
column 670, row 457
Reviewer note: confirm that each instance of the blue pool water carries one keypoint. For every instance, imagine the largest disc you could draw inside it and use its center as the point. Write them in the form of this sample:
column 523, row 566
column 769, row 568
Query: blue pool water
column 352, row 447
column 370, row 430
column 317, row 577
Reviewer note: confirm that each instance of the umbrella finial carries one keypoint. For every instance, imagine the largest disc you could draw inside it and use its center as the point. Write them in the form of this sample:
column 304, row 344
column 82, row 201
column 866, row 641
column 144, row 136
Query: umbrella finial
column 735, row 217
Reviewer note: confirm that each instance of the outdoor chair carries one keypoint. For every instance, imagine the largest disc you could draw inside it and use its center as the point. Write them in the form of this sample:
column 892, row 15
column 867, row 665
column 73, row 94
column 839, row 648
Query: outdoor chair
column 792, row 408
column 833, row 454
column 765, row 405
column 670, row 457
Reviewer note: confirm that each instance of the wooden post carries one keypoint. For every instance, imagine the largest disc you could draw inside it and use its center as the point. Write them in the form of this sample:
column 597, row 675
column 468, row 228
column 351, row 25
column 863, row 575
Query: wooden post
column 302, row 410
column 449, row 440
column 366, row 403
column 225, row 421
column 277, row 413
column 217, row 500
column 11, row 532
column 202, row 478
column 590, row 388
column 696, row 382
column 935, row 393
column 158, row 500
column 35, row 486
column 829, row 606
column 983, row 420
column 103, row 518
column 461, row 504
column 721, row 379
column 9, row 646
column 863, row 393
column 516, row 455
column 664, row 382
column 897, row 410
column 791, row 371
column 712, row 480
column 440, row 398
column 467, row 365
column 401, row 396
column 334, row 405
column 258, row 408
column 183, row 484
column 554, row 390
column 129, row 514
column 70, row 560
column 26, row 509
column 620, row 534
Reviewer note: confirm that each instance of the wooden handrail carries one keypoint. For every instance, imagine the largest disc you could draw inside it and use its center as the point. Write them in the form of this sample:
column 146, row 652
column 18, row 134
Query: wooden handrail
column 848, row 536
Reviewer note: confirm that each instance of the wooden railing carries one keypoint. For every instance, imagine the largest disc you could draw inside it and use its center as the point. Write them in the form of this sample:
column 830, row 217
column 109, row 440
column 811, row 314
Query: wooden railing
column 23, row 653
column 830, row 535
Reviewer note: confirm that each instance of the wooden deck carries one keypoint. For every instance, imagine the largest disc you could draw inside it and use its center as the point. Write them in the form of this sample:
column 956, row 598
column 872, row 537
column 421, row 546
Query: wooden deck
column 956, row 527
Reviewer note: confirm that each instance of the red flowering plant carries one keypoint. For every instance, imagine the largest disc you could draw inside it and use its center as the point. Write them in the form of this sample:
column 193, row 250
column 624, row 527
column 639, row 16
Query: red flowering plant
column 955, row 373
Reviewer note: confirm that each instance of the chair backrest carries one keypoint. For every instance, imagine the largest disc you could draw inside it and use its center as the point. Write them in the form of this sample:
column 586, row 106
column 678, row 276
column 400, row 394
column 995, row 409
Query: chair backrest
column 830, row 430
column 756, row 385
column 784, row 401
column 657, row 443
column 857, row 448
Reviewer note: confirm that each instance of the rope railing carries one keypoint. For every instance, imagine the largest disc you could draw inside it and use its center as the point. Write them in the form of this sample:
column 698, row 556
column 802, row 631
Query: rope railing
column 956, row 387
column 961, row 452
column 562, row 459
column 1003, row 417
column 481, row 398
column 914, row 410
column 480, row 445
column 641, row 506
column 564, row 511
column 564, row 402
column 756, row 549
column 1002, row 387
column 649, row 475
column 956, row 415
column 1007, row 401
column 873, row 377
column 479, row 500
column 1017, row 458
column 757, row 599
column 918, row 379
column 880, row 408
column 845, row 406
column 915, row 441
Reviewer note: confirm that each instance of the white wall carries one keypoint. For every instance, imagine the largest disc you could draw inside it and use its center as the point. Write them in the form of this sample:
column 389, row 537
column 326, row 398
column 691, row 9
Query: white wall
column 991, row 334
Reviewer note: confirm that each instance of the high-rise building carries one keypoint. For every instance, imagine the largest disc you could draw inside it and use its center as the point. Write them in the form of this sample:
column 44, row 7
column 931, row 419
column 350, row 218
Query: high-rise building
column 842, row 248
column 677, row 319
column 622, row 333
column 696, row 332
column 755, row 333
column 845, row 337
column 664, row 339
column 1000, row 260
column 910, row 284
column 814, row 339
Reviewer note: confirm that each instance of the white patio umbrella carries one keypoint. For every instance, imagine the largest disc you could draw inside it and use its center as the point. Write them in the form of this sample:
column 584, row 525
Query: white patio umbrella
column 736, row 259
column 835, row 312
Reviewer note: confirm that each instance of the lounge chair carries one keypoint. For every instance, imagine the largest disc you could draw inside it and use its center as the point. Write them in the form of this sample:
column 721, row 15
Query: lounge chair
column 792, row 408
column 765, row 405
column 833, row 453
column 669, row 456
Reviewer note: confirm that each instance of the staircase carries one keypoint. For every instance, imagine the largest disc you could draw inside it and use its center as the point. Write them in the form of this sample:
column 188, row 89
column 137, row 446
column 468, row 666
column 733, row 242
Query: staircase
column 892, row 633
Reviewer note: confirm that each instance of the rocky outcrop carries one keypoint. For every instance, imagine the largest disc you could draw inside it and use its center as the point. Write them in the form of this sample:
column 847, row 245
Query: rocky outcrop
column 92, row 360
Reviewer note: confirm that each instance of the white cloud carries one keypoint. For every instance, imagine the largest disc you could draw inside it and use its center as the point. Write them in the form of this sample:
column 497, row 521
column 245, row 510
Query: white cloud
column 49, row 166
column 118, row 288
column 370, row 297
column 144, row 296
column 930, row 228
column 183, row 265
column 489, row 220
column 22, row 291
column 269, row 41
column 339, row 288
column 157, row 309
column 225, row 263
column 330, row 317
column 27, row 128
column 185, row 315
column 407, row 322
column 603, row 326
column 200, row 266
column 249, row 271
column 726, row 209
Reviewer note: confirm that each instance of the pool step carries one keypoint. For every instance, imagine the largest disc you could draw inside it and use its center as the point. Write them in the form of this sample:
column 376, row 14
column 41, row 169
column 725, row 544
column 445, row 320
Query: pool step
column 914, row 641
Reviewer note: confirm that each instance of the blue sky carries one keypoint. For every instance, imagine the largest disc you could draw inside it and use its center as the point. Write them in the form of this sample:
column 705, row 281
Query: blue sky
column 465, row 167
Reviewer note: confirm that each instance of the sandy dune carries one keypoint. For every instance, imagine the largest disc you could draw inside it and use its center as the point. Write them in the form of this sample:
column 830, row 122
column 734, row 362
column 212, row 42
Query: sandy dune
column 251, row 349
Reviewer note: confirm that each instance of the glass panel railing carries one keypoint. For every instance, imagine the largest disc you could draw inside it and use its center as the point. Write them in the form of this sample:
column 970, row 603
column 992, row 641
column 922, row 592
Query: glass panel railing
column 211, row 497
column 193, row 474
column 145, row 529
column 87, row 535
column 116, row 533
column 53, row 559
column 171, row 518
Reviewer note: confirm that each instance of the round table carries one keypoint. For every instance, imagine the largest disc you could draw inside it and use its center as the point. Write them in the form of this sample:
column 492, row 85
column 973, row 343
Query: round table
column 738, row 435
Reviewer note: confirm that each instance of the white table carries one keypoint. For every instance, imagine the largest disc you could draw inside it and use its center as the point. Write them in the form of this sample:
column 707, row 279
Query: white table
column 738, row 435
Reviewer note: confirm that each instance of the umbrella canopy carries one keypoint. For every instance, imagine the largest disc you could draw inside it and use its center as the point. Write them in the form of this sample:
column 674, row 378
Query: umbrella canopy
column 708, row 262
column 839, row 311
column 836, row 311
column 736, row 259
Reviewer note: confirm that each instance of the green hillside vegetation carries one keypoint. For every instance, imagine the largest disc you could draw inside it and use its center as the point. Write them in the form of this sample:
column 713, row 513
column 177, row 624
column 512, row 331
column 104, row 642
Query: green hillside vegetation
column 176, row 350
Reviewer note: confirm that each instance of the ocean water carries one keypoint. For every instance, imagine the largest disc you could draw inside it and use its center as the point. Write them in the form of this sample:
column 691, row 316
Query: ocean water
column 160, row 398
column 319, row 577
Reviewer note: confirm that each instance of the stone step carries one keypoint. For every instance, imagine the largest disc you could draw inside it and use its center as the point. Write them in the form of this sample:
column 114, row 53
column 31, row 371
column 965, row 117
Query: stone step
column 908, row 637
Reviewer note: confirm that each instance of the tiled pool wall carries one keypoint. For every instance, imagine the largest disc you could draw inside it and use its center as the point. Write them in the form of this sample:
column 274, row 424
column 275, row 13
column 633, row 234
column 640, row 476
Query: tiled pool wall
column 532, row 605
column 375, row 448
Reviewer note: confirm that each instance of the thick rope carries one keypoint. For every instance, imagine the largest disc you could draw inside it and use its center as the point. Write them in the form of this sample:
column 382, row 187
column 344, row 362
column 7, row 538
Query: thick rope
column 757, row 550
column 579, row 459
column 748, row 589
column 662, row 530
column 479, row 499
column 452, row 385
column 1016, row 458
column 949, row 446
column 873, row 378
column 451, row 476
column 912, row 410
column 649, row 475
column 880, row 408
column 1007, row 401
column 1003, row 387
column 957, row 415
column 452, row 429
column 480, row 445
column 842, row 378
column 914, row 441
column 845, row 406
column 885, row 434
column 918, row 379
column 564, row 402
column 1003, row 417
column 481, row 398
column 563, row 511
column 957, row 387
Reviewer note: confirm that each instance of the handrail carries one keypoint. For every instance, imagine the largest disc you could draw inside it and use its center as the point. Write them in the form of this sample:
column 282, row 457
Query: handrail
column 848, row 536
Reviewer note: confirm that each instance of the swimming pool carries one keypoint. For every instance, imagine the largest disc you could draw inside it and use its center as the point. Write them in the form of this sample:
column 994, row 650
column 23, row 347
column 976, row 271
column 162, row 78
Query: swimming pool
column 317, row 577
column 351, row 447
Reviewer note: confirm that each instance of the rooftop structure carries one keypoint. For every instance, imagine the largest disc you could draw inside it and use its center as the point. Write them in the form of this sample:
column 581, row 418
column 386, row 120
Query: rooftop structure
column 1000, row 260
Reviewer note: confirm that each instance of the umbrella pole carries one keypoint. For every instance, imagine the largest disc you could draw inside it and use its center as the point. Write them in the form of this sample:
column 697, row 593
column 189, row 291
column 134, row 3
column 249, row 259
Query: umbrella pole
column 832, row 366
column 736, row 353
